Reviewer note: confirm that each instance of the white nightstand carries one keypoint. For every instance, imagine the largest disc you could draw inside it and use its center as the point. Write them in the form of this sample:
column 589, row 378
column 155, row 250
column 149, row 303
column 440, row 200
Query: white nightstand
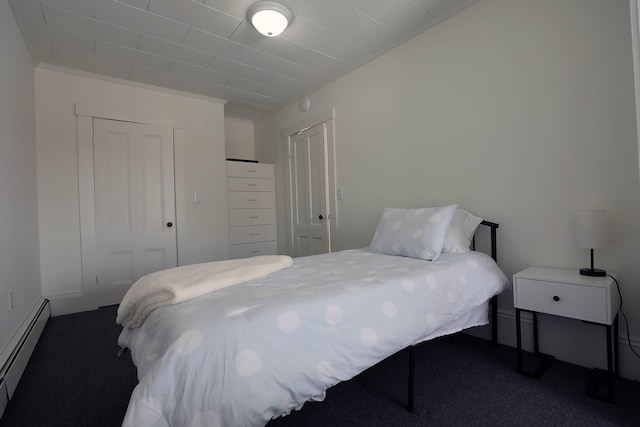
column 566, row 293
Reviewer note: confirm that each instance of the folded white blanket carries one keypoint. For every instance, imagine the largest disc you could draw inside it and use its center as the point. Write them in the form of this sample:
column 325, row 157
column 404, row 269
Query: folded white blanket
column 175, row 285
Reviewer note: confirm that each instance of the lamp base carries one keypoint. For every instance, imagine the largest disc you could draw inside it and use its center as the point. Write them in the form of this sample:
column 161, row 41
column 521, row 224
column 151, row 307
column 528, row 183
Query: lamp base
column 594, row 272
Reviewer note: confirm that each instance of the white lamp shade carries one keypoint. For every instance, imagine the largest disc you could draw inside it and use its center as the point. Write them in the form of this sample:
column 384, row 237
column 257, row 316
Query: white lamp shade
column 592, row 230
column 269, row 18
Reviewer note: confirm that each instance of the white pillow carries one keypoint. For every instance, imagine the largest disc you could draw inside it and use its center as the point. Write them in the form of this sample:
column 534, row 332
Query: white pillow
column 461, row 230
column 414, row 233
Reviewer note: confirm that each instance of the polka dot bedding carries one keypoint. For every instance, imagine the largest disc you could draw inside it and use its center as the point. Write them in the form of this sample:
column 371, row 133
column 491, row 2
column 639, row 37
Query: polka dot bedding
column 260, row 349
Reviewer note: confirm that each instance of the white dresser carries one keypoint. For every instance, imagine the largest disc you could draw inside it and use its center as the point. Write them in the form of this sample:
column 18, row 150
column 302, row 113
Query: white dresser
column 252, row 209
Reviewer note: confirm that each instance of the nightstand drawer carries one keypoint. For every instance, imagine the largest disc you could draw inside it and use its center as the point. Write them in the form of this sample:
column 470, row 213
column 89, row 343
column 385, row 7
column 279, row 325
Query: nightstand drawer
column 562, row 299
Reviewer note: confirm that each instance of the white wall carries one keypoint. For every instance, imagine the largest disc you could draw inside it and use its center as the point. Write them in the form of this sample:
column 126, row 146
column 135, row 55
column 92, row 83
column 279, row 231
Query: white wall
column 239, row 138
column 203, row 231
column 19, row 267
column 520, row 111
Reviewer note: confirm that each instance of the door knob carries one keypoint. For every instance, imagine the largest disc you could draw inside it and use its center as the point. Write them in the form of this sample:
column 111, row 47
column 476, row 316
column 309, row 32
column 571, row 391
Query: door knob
column 169, row 224
column 320, row 217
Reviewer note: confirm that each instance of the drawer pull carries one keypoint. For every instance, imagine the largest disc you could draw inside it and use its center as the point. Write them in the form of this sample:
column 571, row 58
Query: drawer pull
column 253, row 185
column 254, row 217
column 251, row 171
column 556, row 298
column 254, row 252
column 253, row 200
column 254, row 234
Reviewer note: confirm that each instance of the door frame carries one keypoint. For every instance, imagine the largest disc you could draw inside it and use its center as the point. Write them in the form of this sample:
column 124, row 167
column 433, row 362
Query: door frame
column 328, row 117
column 85, row 113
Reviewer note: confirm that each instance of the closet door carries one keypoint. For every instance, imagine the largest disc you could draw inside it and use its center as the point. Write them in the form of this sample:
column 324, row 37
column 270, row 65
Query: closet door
column 135, row 204
column 309, row 191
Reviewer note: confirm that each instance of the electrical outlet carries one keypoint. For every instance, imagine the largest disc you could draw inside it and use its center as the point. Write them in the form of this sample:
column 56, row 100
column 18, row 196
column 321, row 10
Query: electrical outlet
column 10, row 299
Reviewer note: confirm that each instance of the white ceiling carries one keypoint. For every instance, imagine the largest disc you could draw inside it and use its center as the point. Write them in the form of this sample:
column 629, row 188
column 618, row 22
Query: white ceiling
column 209, row 48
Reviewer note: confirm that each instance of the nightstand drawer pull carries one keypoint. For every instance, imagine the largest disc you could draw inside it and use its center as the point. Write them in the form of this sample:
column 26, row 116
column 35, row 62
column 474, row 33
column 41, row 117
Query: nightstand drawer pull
column 556, row 298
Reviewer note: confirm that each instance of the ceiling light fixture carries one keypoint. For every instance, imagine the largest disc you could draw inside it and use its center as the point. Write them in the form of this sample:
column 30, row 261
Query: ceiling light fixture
column 269, row 18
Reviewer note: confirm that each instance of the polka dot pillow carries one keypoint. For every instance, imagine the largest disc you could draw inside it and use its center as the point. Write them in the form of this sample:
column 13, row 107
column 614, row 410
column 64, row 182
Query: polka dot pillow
column 461, row 230
column 414, row 233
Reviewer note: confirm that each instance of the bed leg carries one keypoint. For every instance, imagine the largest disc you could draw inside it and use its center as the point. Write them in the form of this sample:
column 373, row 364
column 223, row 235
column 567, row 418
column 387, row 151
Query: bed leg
column 494, row 320
column 410, row 382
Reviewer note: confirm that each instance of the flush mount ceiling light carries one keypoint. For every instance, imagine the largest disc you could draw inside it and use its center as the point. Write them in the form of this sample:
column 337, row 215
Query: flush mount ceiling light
column 269, row 18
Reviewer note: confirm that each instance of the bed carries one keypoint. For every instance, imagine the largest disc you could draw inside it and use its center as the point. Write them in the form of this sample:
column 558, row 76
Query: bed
column 260, row 348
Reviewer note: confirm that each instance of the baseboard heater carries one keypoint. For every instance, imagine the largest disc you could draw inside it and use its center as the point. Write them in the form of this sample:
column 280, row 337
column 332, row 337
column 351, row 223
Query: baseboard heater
column 18, row 352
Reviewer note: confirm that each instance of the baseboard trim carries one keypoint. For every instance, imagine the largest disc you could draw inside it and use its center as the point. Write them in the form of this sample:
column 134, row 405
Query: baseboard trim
column 4, row 397
column 73, row 302
column 18, row 352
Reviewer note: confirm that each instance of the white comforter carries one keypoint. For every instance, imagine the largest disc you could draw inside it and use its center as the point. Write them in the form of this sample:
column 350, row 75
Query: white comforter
column 258, row 350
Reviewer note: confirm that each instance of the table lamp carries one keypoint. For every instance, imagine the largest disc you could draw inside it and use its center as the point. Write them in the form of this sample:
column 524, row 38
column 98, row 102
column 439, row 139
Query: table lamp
column 592, row 233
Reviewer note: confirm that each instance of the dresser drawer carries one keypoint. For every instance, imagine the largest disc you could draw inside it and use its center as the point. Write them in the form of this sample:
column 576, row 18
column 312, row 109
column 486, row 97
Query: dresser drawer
column 574, row 301
column 247, row 250
column 251, row 184
column 240, row 217
column 252, row 199
column 250, row 170
column 252, row 233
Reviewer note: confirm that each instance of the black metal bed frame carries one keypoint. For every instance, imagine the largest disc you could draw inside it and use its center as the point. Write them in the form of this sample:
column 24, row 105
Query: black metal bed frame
column 494, row 314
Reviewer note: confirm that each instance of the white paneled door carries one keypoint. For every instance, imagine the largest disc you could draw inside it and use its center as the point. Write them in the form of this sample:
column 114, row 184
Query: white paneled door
column 309, row 191
column 135, row 204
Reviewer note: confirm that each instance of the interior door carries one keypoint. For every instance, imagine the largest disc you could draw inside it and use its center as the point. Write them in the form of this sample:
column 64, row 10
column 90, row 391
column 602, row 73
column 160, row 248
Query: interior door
column 309, row 191
column 135, row 204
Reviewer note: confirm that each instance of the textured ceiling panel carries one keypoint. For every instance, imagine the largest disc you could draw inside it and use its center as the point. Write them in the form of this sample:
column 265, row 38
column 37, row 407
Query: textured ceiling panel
column 200, row 73
column 89, row 27
column 208, row 47
column 176, row 51
column 196, row 15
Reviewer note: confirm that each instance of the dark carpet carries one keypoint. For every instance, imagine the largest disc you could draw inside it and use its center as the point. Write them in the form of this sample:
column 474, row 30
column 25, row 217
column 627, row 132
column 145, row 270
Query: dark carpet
column 75, row 378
